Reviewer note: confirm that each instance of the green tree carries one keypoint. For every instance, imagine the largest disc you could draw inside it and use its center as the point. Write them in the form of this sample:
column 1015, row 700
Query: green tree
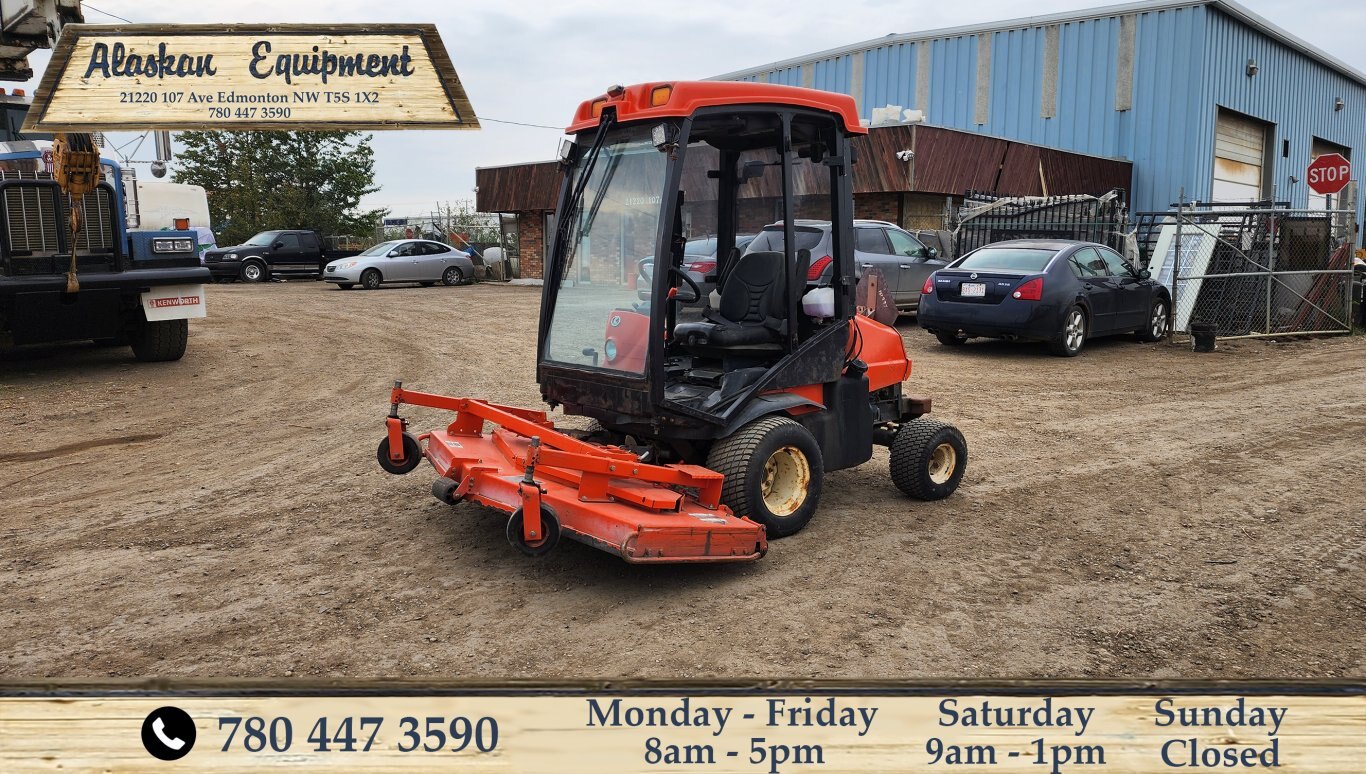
column 265, row 180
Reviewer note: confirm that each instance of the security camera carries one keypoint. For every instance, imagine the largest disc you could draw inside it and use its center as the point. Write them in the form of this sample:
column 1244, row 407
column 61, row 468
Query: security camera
column 906, row 155
column 158, row 169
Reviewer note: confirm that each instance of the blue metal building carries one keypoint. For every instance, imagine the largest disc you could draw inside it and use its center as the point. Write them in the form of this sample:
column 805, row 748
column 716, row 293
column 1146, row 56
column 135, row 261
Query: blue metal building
column 1203, row 97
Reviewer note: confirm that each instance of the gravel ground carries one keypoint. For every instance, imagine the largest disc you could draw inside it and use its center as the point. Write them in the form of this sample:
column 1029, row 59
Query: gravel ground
column 1139, row 511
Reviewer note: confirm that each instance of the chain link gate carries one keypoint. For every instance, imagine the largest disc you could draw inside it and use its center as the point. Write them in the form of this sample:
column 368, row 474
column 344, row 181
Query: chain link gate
column 1253, row 270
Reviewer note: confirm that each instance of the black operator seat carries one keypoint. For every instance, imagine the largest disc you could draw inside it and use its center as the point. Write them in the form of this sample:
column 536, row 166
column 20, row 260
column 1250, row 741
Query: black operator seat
column 753, row 308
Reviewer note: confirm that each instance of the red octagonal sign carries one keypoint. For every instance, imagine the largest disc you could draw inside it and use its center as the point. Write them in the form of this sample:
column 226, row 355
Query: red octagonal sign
column 1329, row 173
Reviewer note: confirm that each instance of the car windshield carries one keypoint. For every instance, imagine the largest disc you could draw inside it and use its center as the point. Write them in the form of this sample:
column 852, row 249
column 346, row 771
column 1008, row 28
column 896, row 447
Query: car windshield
column 610, row 228
column 263, row 239
column 382, row 248
column 771, row 239
column 1008, row 258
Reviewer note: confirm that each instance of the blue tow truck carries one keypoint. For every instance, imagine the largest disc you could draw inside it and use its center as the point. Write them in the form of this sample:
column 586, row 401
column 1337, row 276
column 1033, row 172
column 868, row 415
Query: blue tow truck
column 136, row 288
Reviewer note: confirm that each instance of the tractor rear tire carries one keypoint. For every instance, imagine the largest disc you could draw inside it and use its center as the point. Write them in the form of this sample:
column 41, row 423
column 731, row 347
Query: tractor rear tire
column 928, row 458
column 774, row 474
column 161, row 341
column 550, row 529
column 412, row 455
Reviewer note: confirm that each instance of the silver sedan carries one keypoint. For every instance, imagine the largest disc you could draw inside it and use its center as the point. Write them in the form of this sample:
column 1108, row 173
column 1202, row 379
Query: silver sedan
column 402, row 260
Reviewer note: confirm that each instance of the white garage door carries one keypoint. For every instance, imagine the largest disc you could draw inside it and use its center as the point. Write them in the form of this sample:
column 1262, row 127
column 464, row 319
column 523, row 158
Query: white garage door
column 1239, row 157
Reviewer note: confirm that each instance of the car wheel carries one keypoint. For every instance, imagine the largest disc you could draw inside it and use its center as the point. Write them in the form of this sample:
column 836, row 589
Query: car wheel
column 370, row 279
column 773, row 474
column 1158, row 321
column 1070, row 338
column 253, row 271
column 345, row 285
column 160, row 341
column 928, row 458
column 452, row 276
column 954, row 339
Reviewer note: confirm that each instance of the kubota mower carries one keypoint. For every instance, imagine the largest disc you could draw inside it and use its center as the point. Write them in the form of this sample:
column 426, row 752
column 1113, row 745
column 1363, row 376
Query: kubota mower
column 717, row 412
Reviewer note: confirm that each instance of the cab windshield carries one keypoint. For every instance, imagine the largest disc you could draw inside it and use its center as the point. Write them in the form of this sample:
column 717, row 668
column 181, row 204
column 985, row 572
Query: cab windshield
column 600, row 318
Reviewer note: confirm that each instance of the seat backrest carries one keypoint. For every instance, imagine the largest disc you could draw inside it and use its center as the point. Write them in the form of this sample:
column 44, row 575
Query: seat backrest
column 754, row 290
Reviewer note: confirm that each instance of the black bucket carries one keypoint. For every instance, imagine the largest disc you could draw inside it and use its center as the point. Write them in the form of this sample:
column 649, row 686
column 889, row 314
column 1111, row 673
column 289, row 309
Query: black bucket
column 1202, row 336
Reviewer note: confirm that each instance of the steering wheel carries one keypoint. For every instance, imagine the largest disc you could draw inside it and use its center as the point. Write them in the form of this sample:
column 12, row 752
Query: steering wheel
column 642, row 265
column 690, row 282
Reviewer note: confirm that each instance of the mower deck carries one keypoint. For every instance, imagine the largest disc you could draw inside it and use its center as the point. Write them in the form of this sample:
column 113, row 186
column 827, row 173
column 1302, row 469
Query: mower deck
column 599, row 495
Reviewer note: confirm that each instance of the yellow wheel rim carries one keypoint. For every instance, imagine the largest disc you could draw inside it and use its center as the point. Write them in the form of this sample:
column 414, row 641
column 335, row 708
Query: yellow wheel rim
column 787, row 478
column 943, row 461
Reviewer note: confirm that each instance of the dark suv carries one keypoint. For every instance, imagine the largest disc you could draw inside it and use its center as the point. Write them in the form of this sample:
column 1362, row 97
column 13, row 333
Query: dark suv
column 270, row 254
column 904, row 261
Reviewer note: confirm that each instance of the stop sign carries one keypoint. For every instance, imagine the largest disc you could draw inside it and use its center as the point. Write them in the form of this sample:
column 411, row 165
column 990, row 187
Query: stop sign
column 1329, row 173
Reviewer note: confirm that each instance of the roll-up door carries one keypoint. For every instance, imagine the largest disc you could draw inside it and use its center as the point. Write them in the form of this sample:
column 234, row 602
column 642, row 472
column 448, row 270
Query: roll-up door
column 1240, row 146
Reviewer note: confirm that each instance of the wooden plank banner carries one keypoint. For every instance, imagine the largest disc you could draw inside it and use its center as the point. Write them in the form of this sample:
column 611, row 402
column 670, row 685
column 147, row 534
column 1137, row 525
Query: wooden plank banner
column 1028, row 728
column 235, row 77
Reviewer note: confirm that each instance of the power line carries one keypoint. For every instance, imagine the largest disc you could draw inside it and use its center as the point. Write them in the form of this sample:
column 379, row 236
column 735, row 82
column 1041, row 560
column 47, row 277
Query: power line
column 110, row 15
column 521, row 123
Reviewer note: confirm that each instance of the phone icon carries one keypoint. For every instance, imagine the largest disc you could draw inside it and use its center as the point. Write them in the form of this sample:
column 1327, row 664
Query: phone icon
column 159, row 728
column 168, row 733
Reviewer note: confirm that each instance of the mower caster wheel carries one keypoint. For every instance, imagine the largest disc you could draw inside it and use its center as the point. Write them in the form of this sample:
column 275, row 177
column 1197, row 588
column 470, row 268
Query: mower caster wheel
column 550, row 533
column 928, row 458
column 412, row 455
column 443, row 489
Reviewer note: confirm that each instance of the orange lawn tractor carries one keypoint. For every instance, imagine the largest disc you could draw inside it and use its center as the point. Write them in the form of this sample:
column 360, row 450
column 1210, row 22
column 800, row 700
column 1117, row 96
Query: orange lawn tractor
column 716, row 413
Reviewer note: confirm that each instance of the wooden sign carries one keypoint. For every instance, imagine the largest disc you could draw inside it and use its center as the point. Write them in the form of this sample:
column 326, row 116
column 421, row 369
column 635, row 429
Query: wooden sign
column 154, row 76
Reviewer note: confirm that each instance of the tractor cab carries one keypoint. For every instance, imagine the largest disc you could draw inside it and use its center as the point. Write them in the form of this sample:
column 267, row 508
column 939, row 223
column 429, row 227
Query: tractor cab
column 725, row 381
column 651, row 344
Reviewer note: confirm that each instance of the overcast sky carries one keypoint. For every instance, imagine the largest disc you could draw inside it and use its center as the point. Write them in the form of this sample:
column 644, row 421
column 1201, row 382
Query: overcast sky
column 534, row 61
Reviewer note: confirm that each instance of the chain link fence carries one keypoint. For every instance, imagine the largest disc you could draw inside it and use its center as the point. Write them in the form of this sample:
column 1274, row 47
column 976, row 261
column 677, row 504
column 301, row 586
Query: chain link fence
column 1253, row 270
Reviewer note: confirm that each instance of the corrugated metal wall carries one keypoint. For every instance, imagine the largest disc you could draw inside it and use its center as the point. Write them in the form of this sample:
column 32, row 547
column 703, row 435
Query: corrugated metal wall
column 1144, row 86
column 1291, row 91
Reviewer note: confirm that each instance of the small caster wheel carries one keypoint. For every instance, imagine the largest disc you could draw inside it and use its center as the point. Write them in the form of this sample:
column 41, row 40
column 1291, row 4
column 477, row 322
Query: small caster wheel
column 550, row 527
column 412, row 455
column 444, row 488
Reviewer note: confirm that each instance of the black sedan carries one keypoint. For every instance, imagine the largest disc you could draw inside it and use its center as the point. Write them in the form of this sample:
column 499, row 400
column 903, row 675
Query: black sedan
column 1043, row 290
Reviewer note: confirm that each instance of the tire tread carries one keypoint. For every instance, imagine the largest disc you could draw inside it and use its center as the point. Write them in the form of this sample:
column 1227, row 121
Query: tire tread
column 162, row 341
column 909, row 457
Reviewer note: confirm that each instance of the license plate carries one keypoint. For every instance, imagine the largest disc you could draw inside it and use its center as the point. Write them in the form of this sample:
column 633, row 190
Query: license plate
column 972, row 289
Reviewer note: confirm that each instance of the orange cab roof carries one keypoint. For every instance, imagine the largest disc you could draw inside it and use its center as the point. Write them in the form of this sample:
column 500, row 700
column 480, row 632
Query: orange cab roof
column 676, row 99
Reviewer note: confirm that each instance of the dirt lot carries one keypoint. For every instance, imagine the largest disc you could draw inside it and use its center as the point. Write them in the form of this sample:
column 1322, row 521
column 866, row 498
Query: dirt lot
column 1138, row 511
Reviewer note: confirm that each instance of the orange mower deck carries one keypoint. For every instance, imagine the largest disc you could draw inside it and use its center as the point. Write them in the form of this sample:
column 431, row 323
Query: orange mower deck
column 553, row 484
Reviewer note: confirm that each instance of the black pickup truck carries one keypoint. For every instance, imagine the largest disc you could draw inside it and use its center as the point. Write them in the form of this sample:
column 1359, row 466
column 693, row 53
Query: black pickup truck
column 273, row 254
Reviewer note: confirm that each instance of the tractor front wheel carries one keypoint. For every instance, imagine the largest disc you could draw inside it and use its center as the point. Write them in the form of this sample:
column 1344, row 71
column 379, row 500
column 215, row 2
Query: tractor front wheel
column 541, row 545
column 928, row 458
column 412, row 455
column 774, row 473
